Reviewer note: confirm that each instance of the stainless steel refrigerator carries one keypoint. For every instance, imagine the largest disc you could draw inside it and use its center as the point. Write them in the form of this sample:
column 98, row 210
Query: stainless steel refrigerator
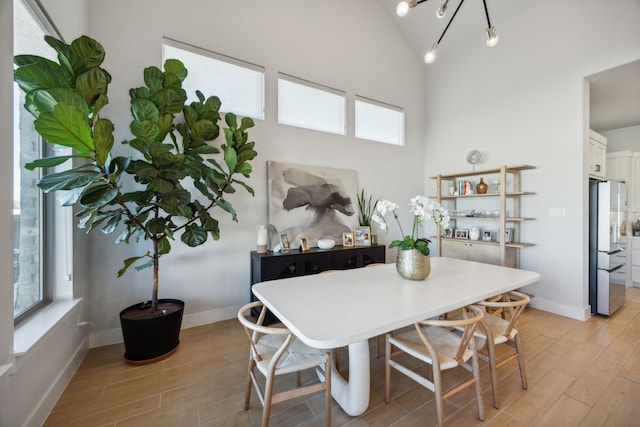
column 607, row 270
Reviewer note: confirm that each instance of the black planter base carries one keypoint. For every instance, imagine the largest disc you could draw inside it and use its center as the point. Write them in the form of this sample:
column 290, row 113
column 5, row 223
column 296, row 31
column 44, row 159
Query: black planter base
column 149, row 338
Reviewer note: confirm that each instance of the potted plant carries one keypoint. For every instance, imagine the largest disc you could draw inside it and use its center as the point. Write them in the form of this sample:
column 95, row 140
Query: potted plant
column 366, row 207
column 413, row 252
column 167, row 185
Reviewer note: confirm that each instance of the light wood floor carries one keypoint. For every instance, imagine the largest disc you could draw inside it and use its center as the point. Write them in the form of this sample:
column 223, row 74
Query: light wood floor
column 580, row 374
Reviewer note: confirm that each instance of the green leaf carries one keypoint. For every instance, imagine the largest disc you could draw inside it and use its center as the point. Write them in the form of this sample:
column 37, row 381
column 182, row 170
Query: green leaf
column 213, row 104
column 161, row 185
column 99, row 103
column 227, row 207
column 169, row 100
column 49, row 162
column 156, row 226
column 91, row 84
column 204, row 129
column 147, row 264
column 66, row 126
column 209, row 223
column 164, row 246
column 194, row 235
column 230, row 120
column 128, row 262
column 165, row 121
column 103, row 139
column 144, row 109
column 42, row 74
column 145, row 130
column 246, row 187
column 153, row 78
column 230, row 158
column 143, row 169
column 58, row 45
column 46, row 100
column 67, row 180
column 176, row 67
column 171, row 81
column 98, row 195
column 88, row 51
column 246, row 123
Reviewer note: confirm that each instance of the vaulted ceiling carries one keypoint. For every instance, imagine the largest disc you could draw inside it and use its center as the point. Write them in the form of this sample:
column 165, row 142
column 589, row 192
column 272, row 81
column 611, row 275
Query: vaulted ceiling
column 615, row 93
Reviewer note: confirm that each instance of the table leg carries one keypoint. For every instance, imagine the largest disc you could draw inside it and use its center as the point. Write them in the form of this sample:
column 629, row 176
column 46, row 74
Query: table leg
column 353, row 395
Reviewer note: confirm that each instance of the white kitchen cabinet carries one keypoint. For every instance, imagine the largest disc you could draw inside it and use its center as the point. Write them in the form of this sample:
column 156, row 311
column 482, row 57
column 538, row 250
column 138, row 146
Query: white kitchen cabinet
column 634, row 261
column 634, row 187
column 619, row 166
column 597, row 155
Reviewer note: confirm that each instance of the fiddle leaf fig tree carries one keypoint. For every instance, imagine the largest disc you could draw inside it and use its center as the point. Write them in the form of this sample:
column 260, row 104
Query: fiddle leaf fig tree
column 180, row 169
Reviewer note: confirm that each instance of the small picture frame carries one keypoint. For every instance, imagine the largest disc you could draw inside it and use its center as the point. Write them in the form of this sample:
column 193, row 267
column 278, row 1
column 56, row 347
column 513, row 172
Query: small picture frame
column 347, row 239
column 304, row 243
column 447, row 232
column 362, row 235
column 508, row 235
column 284, row 241
column 462, row 234
column 486, row 235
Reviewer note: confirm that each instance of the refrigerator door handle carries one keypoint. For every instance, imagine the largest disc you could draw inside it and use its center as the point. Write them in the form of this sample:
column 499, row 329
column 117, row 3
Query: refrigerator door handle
column 617, row 267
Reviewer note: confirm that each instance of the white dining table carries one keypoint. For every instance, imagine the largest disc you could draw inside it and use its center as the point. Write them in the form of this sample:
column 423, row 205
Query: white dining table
column 347, row 307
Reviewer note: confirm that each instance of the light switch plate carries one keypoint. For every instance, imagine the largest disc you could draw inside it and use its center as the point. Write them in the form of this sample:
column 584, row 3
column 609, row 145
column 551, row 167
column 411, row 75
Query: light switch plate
column 556, row 212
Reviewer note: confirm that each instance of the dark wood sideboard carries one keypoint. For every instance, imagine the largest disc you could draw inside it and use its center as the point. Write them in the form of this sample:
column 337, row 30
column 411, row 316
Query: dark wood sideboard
column 281, row 265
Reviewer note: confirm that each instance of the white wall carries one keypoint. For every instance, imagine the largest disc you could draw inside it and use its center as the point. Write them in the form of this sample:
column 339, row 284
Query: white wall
column 524, row 101
column 623, row 139
column 346, row 45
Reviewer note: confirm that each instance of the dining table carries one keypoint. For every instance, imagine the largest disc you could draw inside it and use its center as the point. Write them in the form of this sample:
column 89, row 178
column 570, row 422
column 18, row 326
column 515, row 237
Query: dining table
column 347, row 307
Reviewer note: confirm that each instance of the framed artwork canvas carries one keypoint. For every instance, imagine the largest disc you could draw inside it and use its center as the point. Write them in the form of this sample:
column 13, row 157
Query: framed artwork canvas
column 315, row 201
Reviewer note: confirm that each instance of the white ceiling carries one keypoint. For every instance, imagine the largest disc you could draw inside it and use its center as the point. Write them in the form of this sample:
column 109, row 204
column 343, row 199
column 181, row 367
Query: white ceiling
column 615, row 93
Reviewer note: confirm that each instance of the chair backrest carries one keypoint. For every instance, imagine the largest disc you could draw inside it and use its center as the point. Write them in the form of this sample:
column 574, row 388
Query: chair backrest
column 255, row 330
column 512, row 303
column 471, row 316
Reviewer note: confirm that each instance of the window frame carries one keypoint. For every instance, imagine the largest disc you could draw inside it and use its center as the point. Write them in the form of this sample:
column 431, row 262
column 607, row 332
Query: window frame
column 49, row 239
column 319, row 87
column 384, row 105
column 176, row 44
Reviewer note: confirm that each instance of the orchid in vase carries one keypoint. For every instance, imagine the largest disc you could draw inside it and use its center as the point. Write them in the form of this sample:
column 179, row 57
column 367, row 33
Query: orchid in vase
column 422, row 208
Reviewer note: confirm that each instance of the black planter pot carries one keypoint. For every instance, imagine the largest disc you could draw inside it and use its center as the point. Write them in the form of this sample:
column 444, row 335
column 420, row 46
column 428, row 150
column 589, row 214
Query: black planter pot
column 150, row 338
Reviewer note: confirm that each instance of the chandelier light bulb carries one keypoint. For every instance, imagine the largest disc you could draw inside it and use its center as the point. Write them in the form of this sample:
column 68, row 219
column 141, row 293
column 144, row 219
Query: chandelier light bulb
column 492, row 37
column 431, row 55
column 403, row 8
column 442, row 11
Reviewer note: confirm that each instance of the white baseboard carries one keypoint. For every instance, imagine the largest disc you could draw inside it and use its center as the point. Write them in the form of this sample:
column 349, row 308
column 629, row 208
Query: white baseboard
column 114, row 336
column 578, row 313
column 42, row 410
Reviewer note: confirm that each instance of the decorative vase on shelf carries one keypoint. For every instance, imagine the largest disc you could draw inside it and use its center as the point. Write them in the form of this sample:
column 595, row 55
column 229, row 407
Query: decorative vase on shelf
column 411, row 264
column 481, row 188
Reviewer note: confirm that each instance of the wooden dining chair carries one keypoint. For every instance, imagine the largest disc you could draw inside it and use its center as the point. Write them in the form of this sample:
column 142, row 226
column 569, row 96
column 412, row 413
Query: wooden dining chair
column 276, row 351
column 435, row 343
column 499, row 326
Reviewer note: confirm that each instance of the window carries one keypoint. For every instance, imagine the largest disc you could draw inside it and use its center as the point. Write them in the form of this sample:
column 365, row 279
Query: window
column 42, row 228
column 310, row 105
column 379, row 122
column 238, row 84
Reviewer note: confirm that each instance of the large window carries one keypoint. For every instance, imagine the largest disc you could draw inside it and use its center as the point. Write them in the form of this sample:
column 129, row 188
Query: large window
column 42, row 230
column 310, row 105
column 238, row 84
column 380, row 122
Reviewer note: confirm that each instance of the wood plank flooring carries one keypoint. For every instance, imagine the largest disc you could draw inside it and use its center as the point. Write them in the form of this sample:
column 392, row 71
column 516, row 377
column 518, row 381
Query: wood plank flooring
column 580, row 374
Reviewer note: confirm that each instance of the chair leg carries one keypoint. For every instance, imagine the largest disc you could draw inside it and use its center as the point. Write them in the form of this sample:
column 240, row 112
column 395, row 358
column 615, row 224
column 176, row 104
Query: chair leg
column 491, row 350
column 475, row 367
column 337, row 355
column 247, row 396
column 327, row 384
column 437, row 386
column 268, row 394
column 387, row 369
column 523, row 373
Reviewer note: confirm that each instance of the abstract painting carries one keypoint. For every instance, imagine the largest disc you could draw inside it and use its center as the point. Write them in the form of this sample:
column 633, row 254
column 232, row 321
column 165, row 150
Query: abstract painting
column 314, row 201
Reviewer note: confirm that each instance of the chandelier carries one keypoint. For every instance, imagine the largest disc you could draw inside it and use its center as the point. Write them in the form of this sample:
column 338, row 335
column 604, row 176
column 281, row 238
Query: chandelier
column 404, row 6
